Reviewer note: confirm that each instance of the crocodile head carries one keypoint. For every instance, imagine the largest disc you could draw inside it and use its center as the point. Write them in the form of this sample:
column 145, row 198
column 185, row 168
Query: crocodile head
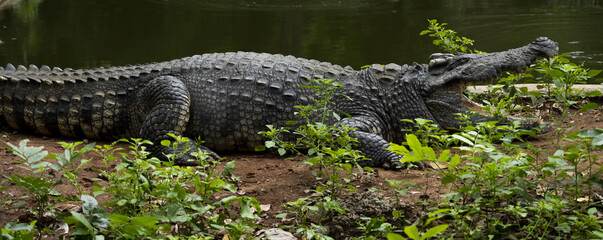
column 448, row 76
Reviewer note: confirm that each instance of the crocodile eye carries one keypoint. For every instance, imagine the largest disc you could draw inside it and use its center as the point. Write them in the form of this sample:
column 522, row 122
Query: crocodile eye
column 438, row 62
column 439, row 59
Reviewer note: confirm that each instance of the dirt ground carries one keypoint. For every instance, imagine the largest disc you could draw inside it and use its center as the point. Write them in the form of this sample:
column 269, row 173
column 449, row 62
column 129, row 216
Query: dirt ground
column 270, row 179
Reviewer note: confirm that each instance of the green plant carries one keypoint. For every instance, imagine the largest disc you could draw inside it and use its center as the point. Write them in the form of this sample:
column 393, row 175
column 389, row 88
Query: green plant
column 493, row 174
column 329, row 148
column 19, row 231
column 375, row 228
column 429, row 133
column 67, row 162
column 39, row 184
column 308, row 217
column 148, row 198
column 161, row 192
column 424, row 231
column 92, row 223
column 447, row 39
column 129, row 183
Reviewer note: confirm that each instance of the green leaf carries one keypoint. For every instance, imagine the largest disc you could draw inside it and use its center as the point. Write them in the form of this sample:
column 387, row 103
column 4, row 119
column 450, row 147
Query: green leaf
column 564, row 227
column 593, row 73
column 589, row 133
column 398, row 149
column 246, row 209
column 89, row 204
column 260, row 148
column 18, row 227
column 145, row 221
column 588, row 106
column 118, row 219
column 336, row 116
column 173, row 210
column 412, row 232
column 448, row 178
column 82, row 219
column 595, row 93
column 414, row 144
column 592, row 211
column 467, row 175
column 454, row 161
column 463, row 139
column 393, row 236
column 282, row 151
column 444, row 155
column 434, row 230
column 269, row 144
column 598, row 140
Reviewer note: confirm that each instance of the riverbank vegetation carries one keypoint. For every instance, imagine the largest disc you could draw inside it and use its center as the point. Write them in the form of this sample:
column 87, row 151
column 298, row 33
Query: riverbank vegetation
column 496, row 184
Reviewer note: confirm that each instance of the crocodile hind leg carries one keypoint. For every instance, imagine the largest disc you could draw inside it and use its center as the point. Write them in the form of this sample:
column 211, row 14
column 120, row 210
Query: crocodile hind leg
column 166, row 102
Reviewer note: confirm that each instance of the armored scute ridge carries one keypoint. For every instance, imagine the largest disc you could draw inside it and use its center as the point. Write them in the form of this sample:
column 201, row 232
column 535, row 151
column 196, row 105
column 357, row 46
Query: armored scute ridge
column 227, row 98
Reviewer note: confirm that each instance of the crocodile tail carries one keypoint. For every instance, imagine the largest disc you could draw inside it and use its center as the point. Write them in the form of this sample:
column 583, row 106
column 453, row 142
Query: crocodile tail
column 62, row 102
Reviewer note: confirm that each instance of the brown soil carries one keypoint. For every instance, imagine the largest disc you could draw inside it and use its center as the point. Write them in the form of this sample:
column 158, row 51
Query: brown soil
column 272, row 180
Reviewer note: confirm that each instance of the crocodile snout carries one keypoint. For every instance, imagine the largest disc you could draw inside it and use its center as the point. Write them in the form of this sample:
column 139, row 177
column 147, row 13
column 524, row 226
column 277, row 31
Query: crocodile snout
column 546, row 46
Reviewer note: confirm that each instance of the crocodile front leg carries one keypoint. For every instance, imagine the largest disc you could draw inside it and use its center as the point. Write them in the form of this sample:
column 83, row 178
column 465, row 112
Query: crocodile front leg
column 166, row 102
column 371, row 143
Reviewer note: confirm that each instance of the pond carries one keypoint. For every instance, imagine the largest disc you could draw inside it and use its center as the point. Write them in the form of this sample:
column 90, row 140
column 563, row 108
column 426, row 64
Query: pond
column 81, row 34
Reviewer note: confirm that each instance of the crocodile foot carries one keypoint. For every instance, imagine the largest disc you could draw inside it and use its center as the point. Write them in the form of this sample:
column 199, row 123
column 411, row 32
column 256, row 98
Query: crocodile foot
column 202, row 154
column 397, row 165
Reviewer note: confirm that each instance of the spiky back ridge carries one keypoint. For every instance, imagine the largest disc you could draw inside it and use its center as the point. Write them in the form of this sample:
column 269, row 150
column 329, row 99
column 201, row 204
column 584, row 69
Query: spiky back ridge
column 74, row 103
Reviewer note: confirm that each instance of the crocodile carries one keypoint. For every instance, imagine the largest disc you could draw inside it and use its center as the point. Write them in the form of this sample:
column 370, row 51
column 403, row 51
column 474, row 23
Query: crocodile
column 225, row 99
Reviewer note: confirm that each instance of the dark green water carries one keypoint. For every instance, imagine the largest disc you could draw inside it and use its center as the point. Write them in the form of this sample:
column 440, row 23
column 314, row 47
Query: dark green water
column 88, row 33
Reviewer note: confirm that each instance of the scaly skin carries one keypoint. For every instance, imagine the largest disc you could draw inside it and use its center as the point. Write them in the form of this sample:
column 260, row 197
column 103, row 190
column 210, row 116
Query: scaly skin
column 227, row 98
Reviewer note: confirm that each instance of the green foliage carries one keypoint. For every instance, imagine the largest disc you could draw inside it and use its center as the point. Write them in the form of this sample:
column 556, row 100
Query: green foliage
column 375, row 228
column 39, row 182
column 429, row 133
column 68, row 161
column 148, row 198
column 423, row 231
column 329, row 148
column 447, row 39
column 160, row 191
column 19, row 231
column 500, row 185
column 497, row 188
column 91, row 221
column 501, row 188
column 319, row 209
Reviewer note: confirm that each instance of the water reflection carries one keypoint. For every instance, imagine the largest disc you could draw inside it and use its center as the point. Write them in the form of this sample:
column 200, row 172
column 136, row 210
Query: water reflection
column 348, row 32
column 271, row 5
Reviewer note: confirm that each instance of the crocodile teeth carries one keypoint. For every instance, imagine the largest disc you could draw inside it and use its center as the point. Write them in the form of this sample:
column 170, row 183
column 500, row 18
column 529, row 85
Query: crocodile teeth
column 10, row 67
column 45, row 68
column 21, row 68
column 33, row 68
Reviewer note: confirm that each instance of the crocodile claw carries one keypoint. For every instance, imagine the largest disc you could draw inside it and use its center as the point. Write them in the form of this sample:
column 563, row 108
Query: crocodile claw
column 190, row 160
column 397, row 165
